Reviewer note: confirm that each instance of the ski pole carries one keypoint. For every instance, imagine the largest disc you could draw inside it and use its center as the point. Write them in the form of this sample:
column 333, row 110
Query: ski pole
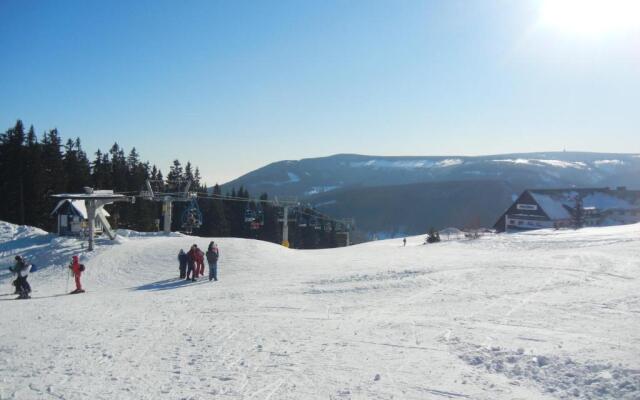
column 66, row 290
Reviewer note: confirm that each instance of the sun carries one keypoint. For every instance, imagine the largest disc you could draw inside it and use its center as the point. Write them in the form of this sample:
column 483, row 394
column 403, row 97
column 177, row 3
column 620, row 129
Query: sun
column 590, row 17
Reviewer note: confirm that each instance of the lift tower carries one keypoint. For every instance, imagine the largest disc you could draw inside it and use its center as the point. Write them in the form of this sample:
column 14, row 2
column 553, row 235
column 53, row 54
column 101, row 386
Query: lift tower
column 285, row 203
column 168, row 193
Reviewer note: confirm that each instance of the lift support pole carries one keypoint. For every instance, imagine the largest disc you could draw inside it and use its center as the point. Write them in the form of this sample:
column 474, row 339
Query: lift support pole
column 166, row 208
column 93, row 205
column 285, row 226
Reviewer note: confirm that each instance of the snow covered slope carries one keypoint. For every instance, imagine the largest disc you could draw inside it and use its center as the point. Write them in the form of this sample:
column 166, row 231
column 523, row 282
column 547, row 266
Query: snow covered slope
column 540, row 315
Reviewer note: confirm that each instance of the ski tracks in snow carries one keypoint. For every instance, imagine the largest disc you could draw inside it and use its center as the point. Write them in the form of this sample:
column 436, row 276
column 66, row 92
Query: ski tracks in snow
column 442, row 321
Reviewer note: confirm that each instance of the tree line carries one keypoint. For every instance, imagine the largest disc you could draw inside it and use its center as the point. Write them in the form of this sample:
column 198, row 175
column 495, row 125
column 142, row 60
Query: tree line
column 33, row 168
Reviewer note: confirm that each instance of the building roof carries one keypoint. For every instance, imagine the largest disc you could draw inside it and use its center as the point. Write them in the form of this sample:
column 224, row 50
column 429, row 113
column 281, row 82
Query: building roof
column 80, row 207
column 558, row 203
column 97, row 195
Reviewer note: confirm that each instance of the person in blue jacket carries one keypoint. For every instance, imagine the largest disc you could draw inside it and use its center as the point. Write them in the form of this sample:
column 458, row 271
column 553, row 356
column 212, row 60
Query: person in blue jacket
column 182, row 259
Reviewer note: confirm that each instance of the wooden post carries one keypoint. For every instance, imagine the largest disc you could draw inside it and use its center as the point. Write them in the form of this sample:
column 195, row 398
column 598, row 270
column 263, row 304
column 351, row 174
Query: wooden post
column 91, row 216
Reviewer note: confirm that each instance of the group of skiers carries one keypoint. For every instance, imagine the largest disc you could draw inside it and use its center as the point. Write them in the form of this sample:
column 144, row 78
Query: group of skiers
column 191, row 263
column 191, row 267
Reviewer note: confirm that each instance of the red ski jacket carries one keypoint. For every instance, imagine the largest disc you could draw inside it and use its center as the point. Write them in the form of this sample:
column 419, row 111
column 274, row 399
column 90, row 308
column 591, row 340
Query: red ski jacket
column 199, row 256
column 75, row 266
column 192, row 255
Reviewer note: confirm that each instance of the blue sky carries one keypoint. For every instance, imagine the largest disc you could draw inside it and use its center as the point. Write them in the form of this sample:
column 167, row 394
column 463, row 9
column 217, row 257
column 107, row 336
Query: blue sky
column 234, row 85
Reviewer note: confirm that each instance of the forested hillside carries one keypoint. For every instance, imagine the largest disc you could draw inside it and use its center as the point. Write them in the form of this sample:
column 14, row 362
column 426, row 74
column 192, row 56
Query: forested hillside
column 32, row 168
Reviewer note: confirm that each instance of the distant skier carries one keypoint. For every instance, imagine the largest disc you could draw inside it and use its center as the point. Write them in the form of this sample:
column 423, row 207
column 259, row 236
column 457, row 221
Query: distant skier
column 77, row 270
column 22, row 269
column 192, row 256
column 212, row 260
column 199, row 262
column 182, row 259
column 404, row 242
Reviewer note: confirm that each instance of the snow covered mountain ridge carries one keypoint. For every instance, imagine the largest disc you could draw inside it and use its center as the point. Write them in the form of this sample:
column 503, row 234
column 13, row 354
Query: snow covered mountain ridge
column 315, row 175
column 408, row 195
column 541, row 315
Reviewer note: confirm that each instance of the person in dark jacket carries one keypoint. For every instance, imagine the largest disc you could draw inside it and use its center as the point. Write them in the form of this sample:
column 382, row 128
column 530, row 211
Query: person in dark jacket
column 182, row 259
column 192, row 256
column 22, row 270
column 212, row 260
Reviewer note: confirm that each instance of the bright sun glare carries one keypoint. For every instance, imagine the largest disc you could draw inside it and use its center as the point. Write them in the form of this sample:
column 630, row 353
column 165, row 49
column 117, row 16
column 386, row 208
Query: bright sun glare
column 591, row 17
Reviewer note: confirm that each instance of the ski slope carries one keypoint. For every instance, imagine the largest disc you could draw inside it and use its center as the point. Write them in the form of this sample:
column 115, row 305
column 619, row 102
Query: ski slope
column 539, row 315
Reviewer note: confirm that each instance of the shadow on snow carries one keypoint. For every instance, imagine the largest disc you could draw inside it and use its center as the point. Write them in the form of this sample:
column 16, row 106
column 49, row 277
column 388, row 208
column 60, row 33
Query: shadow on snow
column 170, row 284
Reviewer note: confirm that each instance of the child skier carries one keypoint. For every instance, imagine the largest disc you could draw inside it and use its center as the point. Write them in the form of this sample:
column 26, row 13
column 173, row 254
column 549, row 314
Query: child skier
column 77, row 269
column 182, row 259
column 22, row 286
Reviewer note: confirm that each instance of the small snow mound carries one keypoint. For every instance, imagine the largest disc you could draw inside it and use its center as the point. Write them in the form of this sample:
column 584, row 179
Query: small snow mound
column 560, row 376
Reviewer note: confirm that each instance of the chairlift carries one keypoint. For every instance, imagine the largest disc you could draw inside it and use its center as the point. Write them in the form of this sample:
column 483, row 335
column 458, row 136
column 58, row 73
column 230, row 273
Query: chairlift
column 191, row 216
column 249, row 215
column 302, row 221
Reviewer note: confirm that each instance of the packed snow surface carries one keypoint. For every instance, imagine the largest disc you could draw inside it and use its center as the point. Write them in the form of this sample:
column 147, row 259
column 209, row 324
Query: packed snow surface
column 538, row 315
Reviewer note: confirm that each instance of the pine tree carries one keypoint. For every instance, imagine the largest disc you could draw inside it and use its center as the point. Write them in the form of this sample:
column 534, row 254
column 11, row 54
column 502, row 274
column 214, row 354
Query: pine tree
column 76, row 167
column 13, row 168
column 34, row 193
column 188, row 173
column 197, row 180
column 578, row 213
column 176, row 172
column 53, row 172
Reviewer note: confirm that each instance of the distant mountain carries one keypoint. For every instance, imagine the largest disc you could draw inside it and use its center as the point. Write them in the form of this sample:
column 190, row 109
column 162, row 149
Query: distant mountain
column 389, row 211
column 340, row 183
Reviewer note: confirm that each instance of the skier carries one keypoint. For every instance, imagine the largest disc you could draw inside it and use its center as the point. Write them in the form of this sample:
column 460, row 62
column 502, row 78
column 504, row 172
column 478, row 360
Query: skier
column 199, row 262
column 212, row 260
column 182, row 259
column 404, row 242
column 77, row 269
column 191, row 263
column 22, row 286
